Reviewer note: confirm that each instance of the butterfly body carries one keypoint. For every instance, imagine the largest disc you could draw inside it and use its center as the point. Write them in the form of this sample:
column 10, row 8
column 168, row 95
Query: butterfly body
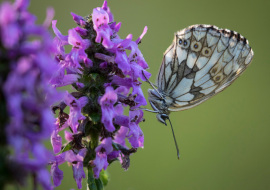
column 201, row 62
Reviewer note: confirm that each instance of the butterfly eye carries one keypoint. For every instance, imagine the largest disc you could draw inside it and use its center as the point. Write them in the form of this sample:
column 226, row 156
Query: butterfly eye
column 180, row 41
column 206, row 51
column 196, row 46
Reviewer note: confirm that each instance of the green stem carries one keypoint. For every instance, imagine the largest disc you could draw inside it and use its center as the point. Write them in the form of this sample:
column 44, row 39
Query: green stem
column 93, row 184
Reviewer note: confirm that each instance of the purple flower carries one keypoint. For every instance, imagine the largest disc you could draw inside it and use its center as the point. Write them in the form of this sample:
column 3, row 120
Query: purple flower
column 102, row 151
column 77, row 166
column 121, row 57
column 56, row 141
column 75, row 110
column 107, row 9
column 121, row 135
column 78, row 173
column 104, row 32
column 78, row 19
column 57, row 174
column 135, row 135
column 100, row 163
column 107, row 102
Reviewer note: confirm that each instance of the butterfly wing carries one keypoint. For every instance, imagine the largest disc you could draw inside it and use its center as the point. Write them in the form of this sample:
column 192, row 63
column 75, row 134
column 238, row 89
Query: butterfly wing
column 201, row 62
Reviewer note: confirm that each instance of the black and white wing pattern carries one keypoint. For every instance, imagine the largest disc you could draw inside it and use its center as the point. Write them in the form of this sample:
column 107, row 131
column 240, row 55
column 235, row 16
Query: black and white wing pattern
column 201, row 62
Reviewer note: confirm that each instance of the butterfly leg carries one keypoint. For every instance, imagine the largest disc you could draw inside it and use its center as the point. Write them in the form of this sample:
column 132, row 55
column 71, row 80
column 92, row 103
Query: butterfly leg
column 153, row 111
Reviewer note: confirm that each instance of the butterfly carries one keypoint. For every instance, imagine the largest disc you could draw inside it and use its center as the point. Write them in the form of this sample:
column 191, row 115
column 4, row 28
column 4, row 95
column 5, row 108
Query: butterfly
column 201, row 62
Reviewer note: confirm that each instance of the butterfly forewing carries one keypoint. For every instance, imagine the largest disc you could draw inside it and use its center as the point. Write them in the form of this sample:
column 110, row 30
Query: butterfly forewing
column 202, row 61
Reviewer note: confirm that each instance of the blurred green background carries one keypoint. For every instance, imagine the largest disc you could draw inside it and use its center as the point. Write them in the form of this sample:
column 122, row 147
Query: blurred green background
column 224, row 143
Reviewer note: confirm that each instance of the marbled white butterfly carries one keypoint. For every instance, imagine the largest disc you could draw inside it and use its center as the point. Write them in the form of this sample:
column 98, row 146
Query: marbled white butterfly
column 202, row 61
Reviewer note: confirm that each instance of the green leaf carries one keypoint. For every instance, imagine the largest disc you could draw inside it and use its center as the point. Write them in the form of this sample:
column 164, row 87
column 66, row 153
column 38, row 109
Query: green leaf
column 67, row 147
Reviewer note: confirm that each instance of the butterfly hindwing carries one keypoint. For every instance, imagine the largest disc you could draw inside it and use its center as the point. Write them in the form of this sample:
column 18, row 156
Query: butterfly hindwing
column 202, row 61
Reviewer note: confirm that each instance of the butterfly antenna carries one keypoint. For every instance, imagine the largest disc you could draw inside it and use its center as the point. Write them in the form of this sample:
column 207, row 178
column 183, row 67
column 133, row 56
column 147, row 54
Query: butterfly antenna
column 177, row 149
column 152, row 85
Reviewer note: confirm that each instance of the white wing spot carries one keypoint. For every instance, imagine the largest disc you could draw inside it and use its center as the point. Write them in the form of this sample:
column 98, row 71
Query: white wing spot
column 181, row 54
column 192, row 57
column 186, row 97
column 228, row 68
column 208, row 84
column 202, row 80
column 201, row 62
column 169, row 56
column 212, row 38
column 208, row 90
column 179, row 104
column 183, row 87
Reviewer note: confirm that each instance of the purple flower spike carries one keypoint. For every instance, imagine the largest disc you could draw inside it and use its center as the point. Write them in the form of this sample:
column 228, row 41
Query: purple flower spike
column 106, row 80
column 27, row 65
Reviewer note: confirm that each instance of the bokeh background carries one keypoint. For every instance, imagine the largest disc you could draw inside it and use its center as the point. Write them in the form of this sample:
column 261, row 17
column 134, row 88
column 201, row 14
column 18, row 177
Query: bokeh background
column 224, row 142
